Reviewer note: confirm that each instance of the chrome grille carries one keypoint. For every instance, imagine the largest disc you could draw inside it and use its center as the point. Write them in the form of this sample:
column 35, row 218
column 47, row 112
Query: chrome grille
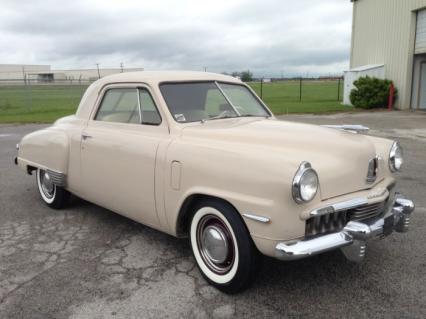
column 366, row 211
column 335, row 222
column 326, row 223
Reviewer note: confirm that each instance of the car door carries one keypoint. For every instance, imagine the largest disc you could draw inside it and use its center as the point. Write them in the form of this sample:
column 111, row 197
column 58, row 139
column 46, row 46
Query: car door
column 118, row 152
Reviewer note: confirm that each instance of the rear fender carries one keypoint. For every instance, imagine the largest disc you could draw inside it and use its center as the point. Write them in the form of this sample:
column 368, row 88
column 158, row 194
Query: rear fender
column 47, row 149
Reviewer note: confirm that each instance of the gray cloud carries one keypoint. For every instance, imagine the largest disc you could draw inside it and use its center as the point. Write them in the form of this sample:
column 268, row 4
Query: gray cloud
column 267, row 37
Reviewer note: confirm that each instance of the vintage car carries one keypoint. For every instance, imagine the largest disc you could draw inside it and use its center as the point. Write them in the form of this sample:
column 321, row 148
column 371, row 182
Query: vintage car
column 200, row 155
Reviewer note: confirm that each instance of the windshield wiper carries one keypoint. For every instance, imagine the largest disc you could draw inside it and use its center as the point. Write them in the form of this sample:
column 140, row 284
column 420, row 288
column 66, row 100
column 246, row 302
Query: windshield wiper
column 223, row 115
column 253, row 115
column 218, row 117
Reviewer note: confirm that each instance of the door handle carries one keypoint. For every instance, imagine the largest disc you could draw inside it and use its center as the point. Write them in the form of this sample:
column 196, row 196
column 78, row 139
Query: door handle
column 86, row 136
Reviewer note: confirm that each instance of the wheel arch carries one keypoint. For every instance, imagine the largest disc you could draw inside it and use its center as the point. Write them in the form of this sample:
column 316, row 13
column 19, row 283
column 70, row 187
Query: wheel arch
column 186, row 211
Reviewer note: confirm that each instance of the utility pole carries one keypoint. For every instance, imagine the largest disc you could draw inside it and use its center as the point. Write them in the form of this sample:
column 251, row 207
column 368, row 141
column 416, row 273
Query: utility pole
column 99, row 73
column 122, row 67
column 23, row 74
column 338, row 90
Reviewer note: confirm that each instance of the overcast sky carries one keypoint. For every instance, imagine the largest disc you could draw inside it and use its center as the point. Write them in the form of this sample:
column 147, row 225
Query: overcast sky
column 265, row 36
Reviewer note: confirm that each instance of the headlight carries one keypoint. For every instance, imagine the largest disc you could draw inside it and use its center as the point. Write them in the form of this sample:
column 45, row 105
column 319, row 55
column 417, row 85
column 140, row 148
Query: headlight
column 395, row 157
column 305, row 184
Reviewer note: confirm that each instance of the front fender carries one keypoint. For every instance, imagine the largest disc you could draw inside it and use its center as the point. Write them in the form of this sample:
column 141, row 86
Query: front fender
column 249, row 181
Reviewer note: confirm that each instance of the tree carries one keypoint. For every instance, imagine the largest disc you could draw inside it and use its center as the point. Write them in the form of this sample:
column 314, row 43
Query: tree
column 246, row 76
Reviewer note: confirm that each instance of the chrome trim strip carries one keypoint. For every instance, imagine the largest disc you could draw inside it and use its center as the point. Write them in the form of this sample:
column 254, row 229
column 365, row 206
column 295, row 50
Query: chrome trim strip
column 58, row 178
column 257, row 218
column 352, row 203
column 349, row 204
column 350, row 128
column 139, row 106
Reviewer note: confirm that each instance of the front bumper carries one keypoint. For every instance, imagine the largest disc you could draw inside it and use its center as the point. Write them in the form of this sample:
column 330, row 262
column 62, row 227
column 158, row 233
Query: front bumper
column 352, row 239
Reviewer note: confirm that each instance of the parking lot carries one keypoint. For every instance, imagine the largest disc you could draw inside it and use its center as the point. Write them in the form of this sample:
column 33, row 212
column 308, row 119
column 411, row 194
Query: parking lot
column 88, row 262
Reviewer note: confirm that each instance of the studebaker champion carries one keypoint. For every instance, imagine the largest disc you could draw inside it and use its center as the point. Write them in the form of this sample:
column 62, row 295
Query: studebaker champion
column 200, row 155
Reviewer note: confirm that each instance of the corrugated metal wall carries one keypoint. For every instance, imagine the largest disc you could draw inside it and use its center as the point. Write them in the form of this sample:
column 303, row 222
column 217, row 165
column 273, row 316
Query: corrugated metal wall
column 384, row 33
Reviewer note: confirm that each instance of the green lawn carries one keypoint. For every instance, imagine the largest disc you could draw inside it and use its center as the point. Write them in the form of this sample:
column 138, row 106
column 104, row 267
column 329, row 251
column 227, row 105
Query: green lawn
column 46, row 103
column 38, row 103
column 317, row 96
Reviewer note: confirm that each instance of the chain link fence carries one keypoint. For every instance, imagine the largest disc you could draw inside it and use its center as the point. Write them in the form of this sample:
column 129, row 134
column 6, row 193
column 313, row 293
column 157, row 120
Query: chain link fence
column 301, row 95
column 33, row 100
column 39, row 101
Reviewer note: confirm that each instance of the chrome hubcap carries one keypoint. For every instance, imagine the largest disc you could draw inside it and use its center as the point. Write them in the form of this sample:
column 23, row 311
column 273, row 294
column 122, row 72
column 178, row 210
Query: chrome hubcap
column 215, row 244
column 47, row 186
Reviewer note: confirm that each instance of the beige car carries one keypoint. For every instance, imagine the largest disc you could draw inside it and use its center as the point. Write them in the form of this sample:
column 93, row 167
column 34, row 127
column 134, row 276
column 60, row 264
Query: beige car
column 200, row 155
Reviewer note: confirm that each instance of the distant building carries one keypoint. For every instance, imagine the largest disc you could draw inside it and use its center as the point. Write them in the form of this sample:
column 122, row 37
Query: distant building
column 389, row 41
column 20, row 71
column 44, row 73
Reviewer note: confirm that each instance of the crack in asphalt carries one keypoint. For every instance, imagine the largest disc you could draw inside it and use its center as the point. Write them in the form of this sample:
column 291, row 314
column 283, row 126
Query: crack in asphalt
column 46, row 245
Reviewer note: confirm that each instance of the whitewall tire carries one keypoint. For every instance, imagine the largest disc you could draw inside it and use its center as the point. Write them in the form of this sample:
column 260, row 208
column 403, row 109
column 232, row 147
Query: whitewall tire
column 222, row 246
column 53, row 195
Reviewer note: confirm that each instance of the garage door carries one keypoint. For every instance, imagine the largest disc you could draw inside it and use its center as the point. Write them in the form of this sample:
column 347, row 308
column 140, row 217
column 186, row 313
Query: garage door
column 421, row 32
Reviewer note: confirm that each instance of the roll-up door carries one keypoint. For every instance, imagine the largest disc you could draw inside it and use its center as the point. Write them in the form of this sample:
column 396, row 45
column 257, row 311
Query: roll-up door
column 421, row 32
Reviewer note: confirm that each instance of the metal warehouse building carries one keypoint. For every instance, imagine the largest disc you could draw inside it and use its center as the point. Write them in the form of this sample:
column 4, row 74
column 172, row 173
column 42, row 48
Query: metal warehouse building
column 389, row 39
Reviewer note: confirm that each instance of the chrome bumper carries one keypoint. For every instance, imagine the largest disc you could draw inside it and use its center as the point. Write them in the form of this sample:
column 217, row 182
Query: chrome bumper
column 352, row 239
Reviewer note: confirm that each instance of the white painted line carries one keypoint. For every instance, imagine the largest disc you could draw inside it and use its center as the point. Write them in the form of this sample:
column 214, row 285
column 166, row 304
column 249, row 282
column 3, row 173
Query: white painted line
column 5, row 135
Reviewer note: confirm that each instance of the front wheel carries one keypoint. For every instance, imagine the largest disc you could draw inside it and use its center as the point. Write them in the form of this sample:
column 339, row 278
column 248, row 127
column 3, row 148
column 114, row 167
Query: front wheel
column 222, row 246
column 53, row 195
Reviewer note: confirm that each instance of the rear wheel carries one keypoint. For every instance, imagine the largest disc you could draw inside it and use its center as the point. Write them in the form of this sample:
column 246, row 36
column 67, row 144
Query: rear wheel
column 53, row 195
column 222, row 246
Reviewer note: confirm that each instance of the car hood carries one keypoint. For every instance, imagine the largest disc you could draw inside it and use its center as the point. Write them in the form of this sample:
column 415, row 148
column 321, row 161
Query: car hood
column 340, row 158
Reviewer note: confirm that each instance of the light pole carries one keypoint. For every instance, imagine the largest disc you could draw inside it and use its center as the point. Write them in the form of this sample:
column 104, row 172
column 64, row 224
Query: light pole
column 99, row 73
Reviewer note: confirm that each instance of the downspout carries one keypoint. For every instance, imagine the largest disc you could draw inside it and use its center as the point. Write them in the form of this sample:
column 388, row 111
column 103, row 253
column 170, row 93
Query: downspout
column 351, row 64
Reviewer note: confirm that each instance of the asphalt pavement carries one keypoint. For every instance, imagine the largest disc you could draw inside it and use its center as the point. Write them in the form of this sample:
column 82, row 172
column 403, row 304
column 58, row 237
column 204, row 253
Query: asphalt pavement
column 88, row 262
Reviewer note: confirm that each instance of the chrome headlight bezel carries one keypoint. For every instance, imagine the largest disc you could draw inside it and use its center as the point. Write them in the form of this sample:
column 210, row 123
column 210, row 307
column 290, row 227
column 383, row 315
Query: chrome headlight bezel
column 304, row 170
column 396, row 157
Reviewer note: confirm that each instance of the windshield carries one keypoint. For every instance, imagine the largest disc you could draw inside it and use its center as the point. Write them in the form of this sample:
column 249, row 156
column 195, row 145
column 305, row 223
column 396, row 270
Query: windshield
column 202, row 101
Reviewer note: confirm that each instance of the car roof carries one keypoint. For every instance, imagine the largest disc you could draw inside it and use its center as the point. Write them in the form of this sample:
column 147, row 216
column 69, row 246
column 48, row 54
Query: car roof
column 152, row 78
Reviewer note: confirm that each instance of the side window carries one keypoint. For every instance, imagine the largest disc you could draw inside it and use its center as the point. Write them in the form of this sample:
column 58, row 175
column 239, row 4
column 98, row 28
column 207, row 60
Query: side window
column 120, row 106
column 150, row 115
